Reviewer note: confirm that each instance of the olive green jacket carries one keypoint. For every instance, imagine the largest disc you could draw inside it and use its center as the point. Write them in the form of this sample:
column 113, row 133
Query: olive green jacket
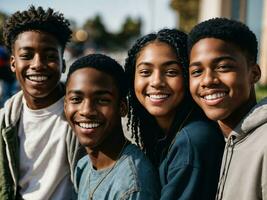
column 9, row 148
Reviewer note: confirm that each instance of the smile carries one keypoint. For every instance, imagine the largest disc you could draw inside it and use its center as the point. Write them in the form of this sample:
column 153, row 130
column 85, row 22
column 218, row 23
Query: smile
column 37, row 78
column 158, row 96
column 89, row 125
column 214, row 96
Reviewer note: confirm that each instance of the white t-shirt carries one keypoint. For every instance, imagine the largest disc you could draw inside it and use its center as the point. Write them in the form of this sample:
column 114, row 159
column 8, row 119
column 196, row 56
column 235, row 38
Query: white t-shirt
column 44, row 168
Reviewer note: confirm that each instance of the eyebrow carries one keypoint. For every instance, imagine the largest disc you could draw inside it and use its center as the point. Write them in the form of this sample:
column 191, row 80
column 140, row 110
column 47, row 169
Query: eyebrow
column 216, row 60
column 46, row 48
column 164, row 64
column 98, row 92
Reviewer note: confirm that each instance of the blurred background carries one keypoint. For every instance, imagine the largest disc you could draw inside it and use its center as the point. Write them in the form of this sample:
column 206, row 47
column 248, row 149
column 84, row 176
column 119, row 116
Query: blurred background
column 111, row 26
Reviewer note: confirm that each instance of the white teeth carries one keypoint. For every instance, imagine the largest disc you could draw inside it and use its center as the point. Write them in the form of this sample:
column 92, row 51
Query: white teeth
column 214, row 96
column 158, row 96
column 38, row 78
column 89, row 125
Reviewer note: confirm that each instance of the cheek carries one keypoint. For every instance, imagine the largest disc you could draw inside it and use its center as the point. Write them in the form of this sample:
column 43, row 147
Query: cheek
column 138, row 85
column 177, row 85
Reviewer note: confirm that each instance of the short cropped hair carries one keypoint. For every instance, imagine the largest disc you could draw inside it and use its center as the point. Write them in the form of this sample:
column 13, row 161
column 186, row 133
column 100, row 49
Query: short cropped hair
column 105, row 64
column 228, row 30
column 36, row 19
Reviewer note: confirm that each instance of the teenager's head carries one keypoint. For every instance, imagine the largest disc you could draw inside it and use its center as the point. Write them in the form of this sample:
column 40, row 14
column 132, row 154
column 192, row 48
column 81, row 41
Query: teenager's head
column 36, row 39
column 223, row 68
column 95, row 98
column 156, row 68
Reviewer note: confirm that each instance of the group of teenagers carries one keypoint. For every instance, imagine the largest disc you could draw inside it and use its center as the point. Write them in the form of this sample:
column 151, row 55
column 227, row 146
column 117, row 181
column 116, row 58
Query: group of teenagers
column 197, row 131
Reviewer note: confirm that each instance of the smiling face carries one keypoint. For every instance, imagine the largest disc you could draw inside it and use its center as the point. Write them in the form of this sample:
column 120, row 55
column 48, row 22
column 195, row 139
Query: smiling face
column 37, row 61
column 222, row 79
column 158, row 82
column 92, row 106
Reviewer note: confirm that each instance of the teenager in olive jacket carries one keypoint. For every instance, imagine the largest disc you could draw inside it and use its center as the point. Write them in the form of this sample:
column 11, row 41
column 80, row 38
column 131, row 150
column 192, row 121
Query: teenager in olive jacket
column 37, row 148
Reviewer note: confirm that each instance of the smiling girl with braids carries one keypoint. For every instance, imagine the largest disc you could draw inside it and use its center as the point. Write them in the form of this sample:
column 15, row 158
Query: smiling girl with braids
column 165, row 123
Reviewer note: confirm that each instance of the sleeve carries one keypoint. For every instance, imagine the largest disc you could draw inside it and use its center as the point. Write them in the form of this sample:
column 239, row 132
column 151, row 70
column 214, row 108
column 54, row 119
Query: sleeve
column 264, row 176
column 182, row 183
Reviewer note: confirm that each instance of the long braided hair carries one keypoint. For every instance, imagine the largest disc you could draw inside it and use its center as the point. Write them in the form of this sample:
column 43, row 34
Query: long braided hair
column 141, row 124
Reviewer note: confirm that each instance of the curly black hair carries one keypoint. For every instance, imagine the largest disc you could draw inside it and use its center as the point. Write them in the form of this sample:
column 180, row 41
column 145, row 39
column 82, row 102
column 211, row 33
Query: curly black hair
column 141, row 124
column 228, row 30
column 36, row 19
column 105, row 64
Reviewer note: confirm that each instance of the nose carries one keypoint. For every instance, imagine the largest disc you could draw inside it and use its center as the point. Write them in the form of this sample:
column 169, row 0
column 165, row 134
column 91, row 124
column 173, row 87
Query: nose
column 37, row 62
column 87, row 109
column 210, row 78
column 157, row 79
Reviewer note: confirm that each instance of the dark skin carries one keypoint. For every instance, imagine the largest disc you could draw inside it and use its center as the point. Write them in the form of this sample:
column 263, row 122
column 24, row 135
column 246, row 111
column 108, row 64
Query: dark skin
column 222, row 79
column 93, row 108
column 37, row 61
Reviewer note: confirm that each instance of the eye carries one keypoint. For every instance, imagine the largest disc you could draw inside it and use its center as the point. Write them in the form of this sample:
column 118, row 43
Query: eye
column 173, row 72
column 144, row 72
column 103, row 101
column 26, row 56
column 75, row 99
column 224, row 68
column 195, row 72
column 52, row 56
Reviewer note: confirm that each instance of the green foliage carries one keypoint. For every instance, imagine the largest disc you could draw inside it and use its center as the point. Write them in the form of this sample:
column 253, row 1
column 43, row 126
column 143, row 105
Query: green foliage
column 3, row 17
column 100, row 38
column 261, row 92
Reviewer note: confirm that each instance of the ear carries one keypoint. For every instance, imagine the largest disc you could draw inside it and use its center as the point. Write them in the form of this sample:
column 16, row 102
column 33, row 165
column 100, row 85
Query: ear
column 123, row 108
column 255, row 73
column 12, row 63
column 63, row 66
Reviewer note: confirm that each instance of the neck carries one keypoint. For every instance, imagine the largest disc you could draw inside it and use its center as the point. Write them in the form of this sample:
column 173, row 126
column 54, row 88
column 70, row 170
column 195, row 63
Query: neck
column 227, row 125
column 43, row 102
column 165, row 123
column 106, row 154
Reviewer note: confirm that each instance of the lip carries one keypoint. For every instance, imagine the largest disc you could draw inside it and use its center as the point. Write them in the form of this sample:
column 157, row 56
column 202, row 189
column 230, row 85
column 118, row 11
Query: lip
column 214, row 98
column 87, row 128
column 37, row 79
column 157, row 98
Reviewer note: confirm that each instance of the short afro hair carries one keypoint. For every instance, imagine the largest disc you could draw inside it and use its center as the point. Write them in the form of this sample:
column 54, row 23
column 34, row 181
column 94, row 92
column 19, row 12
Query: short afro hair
column 36, row 19
column 105, row 64
column 228, row 30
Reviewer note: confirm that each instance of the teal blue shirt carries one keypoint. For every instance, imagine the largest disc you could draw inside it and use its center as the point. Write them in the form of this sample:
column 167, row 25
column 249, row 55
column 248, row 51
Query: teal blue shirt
column 133, row 177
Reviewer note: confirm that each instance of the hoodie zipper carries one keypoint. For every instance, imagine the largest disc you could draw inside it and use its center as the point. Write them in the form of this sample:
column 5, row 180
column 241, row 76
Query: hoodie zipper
column 225, row 167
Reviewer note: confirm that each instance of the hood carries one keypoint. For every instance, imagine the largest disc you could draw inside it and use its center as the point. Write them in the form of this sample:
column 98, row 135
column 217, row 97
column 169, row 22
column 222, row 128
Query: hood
column 255, row 118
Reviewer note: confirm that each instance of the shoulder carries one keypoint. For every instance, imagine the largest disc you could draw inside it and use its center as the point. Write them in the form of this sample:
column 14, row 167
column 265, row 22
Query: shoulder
column 200, row 129
column 135, row 169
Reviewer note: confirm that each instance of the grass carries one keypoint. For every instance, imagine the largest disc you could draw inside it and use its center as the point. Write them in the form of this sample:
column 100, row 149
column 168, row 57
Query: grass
column 261, row 92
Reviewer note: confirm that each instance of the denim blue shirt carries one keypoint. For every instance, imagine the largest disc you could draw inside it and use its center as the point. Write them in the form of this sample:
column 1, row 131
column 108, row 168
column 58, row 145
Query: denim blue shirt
column 133, row 177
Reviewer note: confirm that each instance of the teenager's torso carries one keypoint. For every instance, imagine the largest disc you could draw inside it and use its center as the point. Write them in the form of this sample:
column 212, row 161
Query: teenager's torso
column 190, row 170
column 244, row 166
column 133, row 177
column 10, row 152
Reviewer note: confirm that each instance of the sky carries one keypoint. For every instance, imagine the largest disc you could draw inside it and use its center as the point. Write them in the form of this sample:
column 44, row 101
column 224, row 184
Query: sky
column 156, row 14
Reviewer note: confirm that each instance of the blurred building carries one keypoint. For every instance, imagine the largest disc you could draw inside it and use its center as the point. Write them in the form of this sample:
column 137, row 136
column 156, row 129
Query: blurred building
column 251, row 12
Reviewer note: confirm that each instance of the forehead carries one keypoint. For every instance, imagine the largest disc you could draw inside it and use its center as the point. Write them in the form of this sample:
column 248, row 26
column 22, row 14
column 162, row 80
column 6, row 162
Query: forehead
column 156, row 50
column 89, row 79
column 36, row 39
column 209, row 48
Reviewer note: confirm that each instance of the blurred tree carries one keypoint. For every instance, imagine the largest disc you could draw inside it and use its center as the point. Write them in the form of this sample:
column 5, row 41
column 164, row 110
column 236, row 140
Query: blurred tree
column 3, row 17
column 188, row 11
column 97, row 33
column 130, row 30
column 100, row 38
